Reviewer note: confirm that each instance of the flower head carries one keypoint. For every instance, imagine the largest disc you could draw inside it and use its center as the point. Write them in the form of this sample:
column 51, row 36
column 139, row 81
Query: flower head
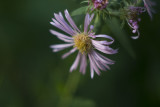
column 133, row 18
column 100, row 4
column 83, row 42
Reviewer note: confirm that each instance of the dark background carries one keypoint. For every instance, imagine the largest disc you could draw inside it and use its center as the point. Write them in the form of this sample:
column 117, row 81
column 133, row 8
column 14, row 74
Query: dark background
column 32, row 76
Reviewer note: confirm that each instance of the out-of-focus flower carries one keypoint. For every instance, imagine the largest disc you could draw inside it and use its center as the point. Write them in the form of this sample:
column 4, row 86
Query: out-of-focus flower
column 149, row 6
column 100, row 4
column 84, row 42
column 133, row 19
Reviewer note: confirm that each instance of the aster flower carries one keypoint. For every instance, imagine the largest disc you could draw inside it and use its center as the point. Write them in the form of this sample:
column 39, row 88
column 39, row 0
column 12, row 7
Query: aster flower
column 133, row 19
column 100, row 4
column 148, row 4
column 83, row 42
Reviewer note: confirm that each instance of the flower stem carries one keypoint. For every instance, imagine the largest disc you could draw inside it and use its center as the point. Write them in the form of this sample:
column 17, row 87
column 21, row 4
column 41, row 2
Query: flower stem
column 69, row 89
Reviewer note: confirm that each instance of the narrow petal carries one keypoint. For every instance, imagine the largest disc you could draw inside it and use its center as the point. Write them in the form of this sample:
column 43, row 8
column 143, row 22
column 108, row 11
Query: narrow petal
column 105, row 42
column 136, row 31
column 60, row 14
column 62, row 36
column 102, row 58
column 92, row 71
column 68, row 53
column 65, row 25
column 103, row 48
column 103, row 64
column 60, row 47
column 90, row 19
column 71, row 21
column 95, row 68
column 98, row 63
column 148, row 4
column 86, row 23
column 83, row 64
column 58, row 25
column 136, row 37
column 76, row 62
column 130, row 25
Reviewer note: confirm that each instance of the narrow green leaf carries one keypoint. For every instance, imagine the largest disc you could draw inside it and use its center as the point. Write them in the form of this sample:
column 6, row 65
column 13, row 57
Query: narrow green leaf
column 84, row 1
column 79, row 11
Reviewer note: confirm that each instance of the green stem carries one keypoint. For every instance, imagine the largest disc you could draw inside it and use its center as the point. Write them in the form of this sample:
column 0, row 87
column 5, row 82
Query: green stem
column 69, row 89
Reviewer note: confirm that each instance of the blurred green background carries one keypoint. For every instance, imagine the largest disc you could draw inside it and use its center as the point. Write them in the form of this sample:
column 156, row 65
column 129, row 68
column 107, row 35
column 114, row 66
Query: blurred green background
column 32, row 76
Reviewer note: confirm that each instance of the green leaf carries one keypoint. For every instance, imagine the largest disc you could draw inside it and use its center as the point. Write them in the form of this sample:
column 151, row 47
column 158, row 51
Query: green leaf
column 79, row 11
column 84, row 1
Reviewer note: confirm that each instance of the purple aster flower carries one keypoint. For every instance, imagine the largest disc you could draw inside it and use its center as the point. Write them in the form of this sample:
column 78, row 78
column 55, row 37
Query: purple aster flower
column 100, row 4
column 148, row 4
column 133, row 19
column 83, row 42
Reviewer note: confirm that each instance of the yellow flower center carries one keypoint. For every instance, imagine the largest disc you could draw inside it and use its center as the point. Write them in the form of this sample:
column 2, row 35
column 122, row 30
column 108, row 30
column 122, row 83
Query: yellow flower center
column 82, row 42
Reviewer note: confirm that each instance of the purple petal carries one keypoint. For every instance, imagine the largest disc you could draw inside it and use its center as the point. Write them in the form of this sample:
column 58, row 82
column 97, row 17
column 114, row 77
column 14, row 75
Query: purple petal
column 130, row 25
column 103, row 48
column 136, row 37
column 58, row 25
column 86, row 23
column 92, row 71
column 71, row 21
column 98, row 63
column 95, row 68
column 60, row 14
column 102, row 58
column 65, row 25
column 69, row 53
column 105, row 42
column 76, row 62
column 60, row 47
column 102, row 62
column 148, row 4
column 92, row 16
column 83, row 64
column 62, row 36
column 106, row 36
